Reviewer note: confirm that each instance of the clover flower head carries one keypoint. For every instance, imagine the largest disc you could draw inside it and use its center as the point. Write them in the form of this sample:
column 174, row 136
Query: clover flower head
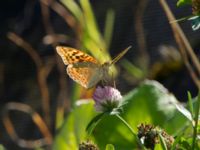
column 106, row 99
column 87, row 146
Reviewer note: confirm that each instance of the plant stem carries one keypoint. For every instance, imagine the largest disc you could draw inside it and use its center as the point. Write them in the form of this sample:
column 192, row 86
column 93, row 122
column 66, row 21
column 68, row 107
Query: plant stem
column 133, row 132
column 196, row 121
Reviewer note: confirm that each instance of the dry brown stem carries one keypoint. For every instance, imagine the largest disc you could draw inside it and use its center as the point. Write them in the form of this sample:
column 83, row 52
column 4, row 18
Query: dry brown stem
column 41, row 72
column 61, row 10
column 184, row 45
column 46, row 17
column 13, row 106
column 62, row 100
column 139, row 29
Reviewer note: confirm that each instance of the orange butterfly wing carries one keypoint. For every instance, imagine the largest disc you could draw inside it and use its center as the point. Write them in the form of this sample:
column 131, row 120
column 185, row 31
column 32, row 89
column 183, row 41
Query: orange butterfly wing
column 70, row 55
column 82, row 67
column 84, row 76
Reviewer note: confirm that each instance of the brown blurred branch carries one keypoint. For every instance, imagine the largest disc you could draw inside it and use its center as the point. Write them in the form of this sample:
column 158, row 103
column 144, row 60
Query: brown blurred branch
column 67, row 16
column 139, row 29
column 27, row 47
column 13, row 106
column 62, row 100
column 46, row 17
column 41, row 72
column 2, row 78
column 61, row 10
column 51, row 37
column 184, row 46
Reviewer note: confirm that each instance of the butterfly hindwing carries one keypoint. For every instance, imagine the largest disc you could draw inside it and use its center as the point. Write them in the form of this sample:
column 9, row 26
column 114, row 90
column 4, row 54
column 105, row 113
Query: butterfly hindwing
column 85, row 76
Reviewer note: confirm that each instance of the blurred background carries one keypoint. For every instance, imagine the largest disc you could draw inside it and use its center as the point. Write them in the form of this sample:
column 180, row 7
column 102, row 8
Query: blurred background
column 32, row 73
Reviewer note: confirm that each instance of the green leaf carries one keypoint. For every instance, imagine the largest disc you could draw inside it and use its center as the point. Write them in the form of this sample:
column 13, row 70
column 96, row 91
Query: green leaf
column 110, row 147
column 190, row 104
column 92, row 124
column 195, row 21
column 183, row 2
column 184, row 111
column 2, row 147
column 90, row 25
column 73, row 7
column 177, row 140
column 151, row 103
column 72, row 131
column 185, row 144
column 162, row 142
column 158, row 147
column 196, row 119
column 109, row 23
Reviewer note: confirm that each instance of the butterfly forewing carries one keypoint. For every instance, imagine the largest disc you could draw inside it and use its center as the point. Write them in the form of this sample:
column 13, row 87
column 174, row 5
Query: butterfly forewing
column 70, row 55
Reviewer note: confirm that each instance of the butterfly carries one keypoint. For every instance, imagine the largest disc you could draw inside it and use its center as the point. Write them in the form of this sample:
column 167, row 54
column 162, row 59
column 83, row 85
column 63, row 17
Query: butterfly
column 85, row 69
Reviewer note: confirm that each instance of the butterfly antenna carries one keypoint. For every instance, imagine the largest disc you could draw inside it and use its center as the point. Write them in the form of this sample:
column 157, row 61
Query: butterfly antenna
column 120, row 55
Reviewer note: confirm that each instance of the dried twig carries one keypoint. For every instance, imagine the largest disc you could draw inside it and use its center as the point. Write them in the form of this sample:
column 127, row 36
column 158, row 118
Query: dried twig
column 184, row 46
column 61, row 10
column 62, row 96
column 186, row 61
column 2, row 77
column 67, row 16
column 141, row 40
column 62, row 100
column 13, row 106
column 41, row 72
column 46, row 16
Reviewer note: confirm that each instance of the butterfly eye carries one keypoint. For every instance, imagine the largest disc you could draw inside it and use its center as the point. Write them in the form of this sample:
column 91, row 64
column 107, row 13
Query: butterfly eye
column 107, row 63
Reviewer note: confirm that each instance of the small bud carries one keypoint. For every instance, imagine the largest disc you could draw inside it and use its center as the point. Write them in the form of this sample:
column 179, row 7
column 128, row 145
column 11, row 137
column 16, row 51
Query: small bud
column 149, row 135
column 88, row 146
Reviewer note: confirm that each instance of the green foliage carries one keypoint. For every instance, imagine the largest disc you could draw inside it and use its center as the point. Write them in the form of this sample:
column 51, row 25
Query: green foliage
column 195, row 21
column 153, row 104
column 110, row 147
column 92, row 124
column 193, row 117
column 195, row 17
column 2, row 147
column 196, row 120
column 190, row 104
column 158, row 147
column 149, row 103
column 73, row 130
column 162, row 142
column 184, row 2
column 185, row 143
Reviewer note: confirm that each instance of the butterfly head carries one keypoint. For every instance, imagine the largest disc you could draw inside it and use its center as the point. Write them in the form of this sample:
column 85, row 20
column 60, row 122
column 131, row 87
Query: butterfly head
column 106, row 65
column 105, row 68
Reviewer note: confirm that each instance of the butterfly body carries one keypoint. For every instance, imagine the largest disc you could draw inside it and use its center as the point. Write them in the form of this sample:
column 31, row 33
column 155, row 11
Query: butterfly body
column 83, row 68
